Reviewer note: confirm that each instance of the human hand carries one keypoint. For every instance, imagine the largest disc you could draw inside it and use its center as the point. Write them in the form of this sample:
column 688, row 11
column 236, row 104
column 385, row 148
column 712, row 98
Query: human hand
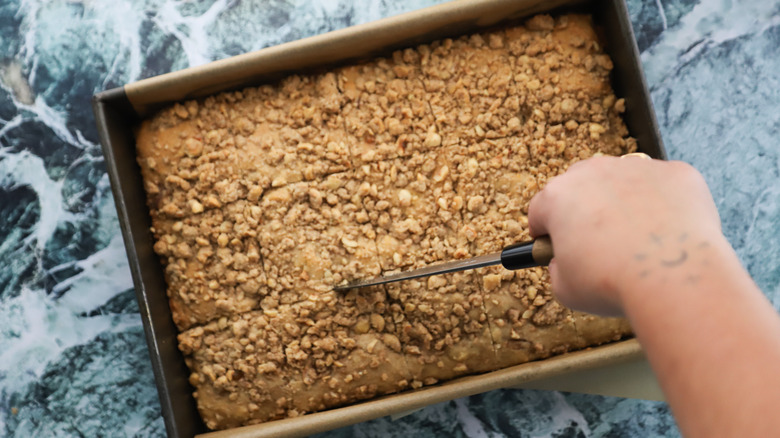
column 617, row 222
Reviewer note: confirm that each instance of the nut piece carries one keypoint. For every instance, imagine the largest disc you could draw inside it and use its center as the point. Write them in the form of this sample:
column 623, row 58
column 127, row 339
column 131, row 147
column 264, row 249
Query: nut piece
column 193, row 147
column 475, row 203
column 404, row 198
column 378, row 322
column 392, row 342
column 568, row 105
column 441, row 173
column 196, row 206
column 222, row 240
column 436, row 281
column 349, row 243
column 362, row 327
column 432, row 140
column 491, row 281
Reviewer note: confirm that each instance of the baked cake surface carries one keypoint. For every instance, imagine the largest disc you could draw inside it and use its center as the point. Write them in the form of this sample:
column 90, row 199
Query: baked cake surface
column 263, row 199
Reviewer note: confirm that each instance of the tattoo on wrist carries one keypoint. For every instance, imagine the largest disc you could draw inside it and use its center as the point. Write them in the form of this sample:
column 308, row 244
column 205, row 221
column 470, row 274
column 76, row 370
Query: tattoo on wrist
column 676, row 261
column 667, row 252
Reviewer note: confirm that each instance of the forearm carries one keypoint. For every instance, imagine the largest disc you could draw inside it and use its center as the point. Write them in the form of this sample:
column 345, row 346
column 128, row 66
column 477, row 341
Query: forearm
column 713, row 341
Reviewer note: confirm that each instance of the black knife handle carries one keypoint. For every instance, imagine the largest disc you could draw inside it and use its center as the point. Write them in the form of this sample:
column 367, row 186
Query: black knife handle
column 537, row 252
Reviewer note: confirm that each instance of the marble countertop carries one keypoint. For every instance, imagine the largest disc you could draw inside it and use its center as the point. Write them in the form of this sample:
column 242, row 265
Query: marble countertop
column 73, row 359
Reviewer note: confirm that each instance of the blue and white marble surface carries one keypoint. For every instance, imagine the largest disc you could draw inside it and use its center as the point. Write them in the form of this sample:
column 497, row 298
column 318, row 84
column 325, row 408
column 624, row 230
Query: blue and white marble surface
column 73, row 360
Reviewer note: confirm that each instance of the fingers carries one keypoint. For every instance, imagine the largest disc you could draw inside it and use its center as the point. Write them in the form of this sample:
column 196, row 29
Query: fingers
column 590, row 163
column 558, row 287
column 541, row 210
column 641, row 155
column 538, row 214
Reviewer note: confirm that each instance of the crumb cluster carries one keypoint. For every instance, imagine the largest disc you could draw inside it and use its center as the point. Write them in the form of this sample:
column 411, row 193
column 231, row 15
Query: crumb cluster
column 263, row 199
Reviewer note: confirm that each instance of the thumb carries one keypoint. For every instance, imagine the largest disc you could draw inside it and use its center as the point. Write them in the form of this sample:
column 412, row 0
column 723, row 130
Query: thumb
column 560, row 290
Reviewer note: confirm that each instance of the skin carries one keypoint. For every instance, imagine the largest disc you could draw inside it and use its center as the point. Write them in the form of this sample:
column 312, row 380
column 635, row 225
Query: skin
column 642, row 239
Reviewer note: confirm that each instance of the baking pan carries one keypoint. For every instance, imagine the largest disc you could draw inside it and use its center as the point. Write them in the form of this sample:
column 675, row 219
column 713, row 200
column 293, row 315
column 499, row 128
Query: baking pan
column 118, row 110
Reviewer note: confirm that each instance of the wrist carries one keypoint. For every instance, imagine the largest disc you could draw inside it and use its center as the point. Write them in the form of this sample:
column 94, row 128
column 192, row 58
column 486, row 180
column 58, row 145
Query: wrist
column 673, row 264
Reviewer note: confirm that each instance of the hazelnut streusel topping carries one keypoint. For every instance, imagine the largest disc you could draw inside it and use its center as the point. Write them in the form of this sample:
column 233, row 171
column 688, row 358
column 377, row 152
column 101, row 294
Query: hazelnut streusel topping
column 263, row 199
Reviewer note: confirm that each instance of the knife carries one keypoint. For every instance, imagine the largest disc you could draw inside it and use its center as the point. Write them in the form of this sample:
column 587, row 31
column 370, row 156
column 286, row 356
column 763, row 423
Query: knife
column 537, row 252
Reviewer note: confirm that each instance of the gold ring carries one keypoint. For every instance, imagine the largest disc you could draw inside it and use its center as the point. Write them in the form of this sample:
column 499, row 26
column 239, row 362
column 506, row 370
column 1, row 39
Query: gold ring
column 642, row 155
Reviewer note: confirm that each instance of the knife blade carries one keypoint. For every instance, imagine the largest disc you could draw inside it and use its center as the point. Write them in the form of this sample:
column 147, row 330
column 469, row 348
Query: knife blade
column 537, row 252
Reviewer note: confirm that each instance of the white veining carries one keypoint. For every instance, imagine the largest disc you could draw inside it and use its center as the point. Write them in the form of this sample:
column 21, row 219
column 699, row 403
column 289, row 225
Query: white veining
column 562, row 415
column 24, row 168
column 710, row 22
column 37, row 329
column 662, row 14
column 103, row 274
column 471, row 425
column 191, row 31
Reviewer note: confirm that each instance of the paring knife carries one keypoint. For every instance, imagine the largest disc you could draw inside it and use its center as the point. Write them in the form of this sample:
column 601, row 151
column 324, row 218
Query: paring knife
column 537, row 252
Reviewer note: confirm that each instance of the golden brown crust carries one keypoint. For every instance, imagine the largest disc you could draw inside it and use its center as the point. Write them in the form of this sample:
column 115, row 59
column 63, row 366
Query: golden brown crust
column 299, row 358
column 213, row 266
column 296, row 132
column 442, row 326
column 347, row 350
column 311, row 241
column 562, row 75
column 496, row 183
column 414, row 209
column 470, row 87
column 386, row 111
column 238, row 369
column 527, row 323
column 263, row 199
column 593, row 330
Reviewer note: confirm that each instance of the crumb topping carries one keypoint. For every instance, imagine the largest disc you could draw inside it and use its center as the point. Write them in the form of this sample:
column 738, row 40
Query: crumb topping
column 386, row 111
column 263, row 199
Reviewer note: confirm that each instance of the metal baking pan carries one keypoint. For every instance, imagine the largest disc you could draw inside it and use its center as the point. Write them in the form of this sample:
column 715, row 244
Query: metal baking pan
column 118, row 110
